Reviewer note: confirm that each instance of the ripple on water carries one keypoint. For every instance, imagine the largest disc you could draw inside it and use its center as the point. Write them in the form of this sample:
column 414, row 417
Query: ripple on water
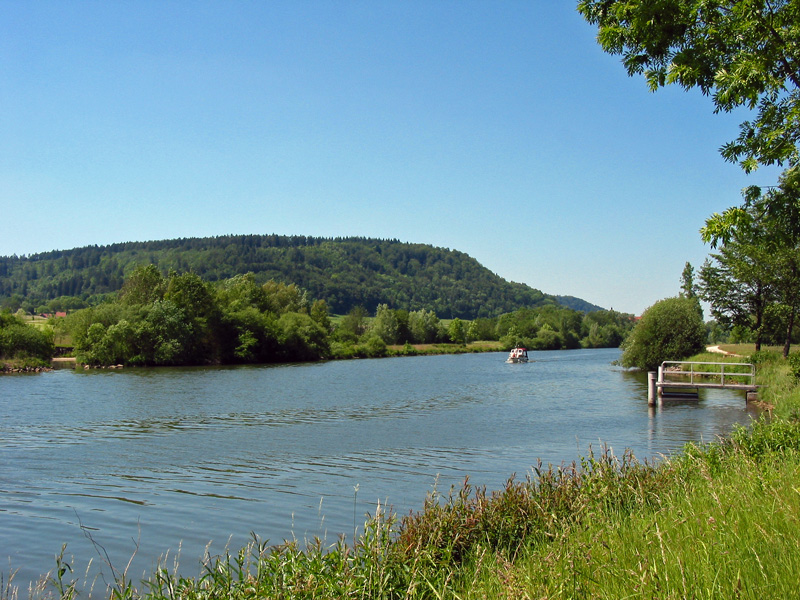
column 172, row 458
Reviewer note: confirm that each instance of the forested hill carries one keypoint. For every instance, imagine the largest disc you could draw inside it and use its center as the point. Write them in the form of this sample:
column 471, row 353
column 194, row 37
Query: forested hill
column 345, row 272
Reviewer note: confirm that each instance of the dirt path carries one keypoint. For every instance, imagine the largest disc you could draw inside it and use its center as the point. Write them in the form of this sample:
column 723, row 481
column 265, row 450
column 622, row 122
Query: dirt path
column 718, row 350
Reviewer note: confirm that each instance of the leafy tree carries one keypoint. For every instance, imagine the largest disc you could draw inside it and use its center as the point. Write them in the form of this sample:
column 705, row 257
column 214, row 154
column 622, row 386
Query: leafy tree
column 319, row 312
column 594, row 339
column 284, row 298
column 542, row 328
column 424, row 326
column 745, row 53
column 687, row 281
column 250, row 336
column 385, row 325
column 79, row 322
column 512, row 338
column 11, row 303
column 403, row 331
column 372, row 347
column 525, row 323
column 457, row 330
column 20, row 340
column 163, row 335
column 66, row 303
column 736, row 285
column 472, row 331
column 757, row 271
column 671, row 329
column 144, row 285
column 716, row 332
column 242, row 291
column 301, row 338
column 190, row 293
column 741, row 52
column 605, row 329
column 483, row 329
column 353, row 325
column 110, row 345
column 195, row 298
column 546, row 338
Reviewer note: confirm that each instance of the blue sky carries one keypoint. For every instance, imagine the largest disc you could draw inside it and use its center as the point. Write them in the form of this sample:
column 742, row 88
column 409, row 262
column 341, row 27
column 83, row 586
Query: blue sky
column 499, row 129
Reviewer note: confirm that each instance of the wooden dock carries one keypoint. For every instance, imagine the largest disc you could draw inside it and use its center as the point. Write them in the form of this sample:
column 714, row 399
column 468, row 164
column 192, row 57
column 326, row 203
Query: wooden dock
column 683, row 379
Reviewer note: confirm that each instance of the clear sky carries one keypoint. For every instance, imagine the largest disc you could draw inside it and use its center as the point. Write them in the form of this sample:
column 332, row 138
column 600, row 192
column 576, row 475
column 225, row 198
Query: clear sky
column 497, row 128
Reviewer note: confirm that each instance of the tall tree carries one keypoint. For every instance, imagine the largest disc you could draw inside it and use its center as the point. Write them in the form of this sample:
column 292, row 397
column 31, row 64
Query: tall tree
column 741, row 52
column 760, row 249
column 424, row 326
column 354, row 323
column 736, row 283
column 144, row 285
column 385, row 324
column 687, row 281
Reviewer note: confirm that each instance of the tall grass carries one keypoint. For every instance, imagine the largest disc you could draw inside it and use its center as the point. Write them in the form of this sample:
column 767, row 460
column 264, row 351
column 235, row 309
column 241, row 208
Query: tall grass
column 726, row 527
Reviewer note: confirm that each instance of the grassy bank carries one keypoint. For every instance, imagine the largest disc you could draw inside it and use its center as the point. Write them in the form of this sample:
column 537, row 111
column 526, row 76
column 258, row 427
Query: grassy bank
column 720, row 520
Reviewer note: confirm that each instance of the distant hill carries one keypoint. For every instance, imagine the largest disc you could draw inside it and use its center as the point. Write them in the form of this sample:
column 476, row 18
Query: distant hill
column 345, row 272
column 577, row 304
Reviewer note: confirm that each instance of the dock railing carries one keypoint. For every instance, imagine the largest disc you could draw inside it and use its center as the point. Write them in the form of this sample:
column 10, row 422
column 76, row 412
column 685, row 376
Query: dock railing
column 676, row 372
column 674, row 375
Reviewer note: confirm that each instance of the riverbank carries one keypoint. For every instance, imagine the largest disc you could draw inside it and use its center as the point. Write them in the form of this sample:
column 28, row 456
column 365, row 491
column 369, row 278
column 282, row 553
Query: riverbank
column 601, row 527
column 23, row 365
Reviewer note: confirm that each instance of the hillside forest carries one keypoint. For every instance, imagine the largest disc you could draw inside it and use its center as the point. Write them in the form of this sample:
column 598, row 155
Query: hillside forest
column 344, row 272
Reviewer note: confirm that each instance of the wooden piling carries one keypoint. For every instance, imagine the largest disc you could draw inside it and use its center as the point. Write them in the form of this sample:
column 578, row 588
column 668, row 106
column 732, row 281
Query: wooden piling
column 651, row 388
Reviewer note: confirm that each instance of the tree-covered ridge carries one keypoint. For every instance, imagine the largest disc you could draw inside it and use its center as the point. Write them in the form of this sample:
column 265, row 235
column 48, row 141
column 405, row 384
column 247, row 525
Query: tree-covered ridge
column 345, row 272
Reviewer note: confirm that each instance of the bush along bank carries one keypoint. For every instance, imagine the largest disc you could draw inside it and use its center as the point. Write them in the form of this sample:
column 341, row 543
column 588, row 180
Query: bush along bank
column 23, row 349
column 718, row 520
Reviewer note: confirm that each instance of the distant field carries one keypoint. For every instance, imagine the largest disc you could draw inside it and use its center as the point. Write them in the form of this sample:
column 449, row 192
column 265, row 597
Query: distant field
column 36, row 321
column 61, row 340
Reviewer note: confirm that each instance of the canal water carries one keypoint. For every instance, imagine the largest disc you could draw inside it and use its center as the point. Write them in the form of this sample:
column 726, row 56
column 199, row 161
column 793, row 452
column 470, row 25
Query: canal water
column 144, row 462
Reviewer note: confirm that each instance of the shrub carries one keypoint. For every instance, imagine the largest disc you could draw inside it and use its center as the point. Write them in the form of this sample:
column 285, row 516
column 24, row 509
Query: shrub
column 372, row 347
column 794, row 364
column 19, row 340
column 671, row 329
column 764, row 357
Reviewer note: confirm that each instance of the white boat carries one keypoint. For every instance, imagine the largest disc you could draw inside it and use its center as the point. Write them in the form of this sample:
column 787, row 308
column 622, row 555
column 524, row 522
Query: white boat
column 517, row 355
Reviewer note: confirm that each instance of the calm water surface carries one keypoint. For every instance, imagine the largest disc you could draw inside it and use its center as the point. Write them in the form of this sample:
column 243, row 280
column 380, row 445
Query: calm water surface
column 172, row 459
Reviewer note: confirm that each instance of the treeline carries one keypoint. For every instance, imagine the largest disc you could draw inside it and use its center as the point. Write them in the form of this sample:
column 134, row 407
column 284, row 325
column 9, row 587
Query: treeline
column 180, row 319
column 344, row 272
